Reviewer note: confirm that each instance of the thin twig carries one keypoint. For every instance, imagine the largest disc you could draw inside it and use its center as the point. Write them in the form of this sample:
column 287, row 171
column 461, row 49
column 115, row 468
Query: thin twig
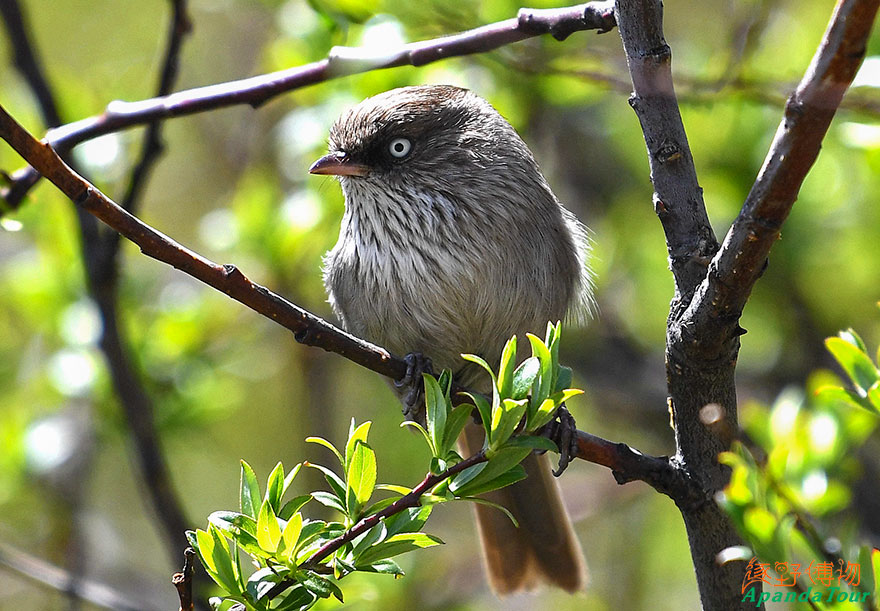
column 342, row 61
column 808, row 113
column 100, row 262
column 412, row 499
column 183, row 580
column 44, row 573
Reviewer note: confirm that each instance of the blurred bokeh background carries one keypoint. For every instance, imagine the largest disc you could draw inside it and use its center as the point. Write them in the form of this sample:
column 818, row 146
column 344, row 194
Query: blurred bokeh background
column 233, row 185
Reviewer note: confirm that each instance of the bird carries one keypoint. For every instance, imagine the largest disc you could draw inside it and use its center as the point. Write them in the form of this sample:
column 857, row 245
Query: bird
column 452, row 242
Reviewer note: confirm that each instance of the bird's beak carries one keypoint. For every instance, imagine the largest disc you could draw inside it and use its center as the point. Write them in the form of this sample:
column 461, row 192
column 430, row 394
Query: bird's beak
column 338, row 164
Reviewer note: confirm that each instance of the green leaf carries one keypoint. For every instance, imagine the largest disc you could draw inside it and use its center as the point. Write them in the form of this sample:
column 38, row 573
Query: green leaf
column 204, row 545
column 506, row 367
column 395, row 545
column 293, row 505
column 328, row 499
column 336, row 484
column 479, row 486
column 850, row 336
column 356, row 434
column 318, row 585
column 857, row 365
column 401, row 490
column 369, row 538
column 505, row 419
column 275, row 486
column 289, row 479
column 408, row 520
column 361, row 475
column 268, row 530
column 290, row 536
column 544, row 382
column 563, row 380
column 455, row 423
column 503, row 460
column 552, row 342
column 874, row 396
column 435, row 416
column 240, row 528
column 261, row 582
column 547, row 409
column 524, row 377
column 233, row 523
column 386, row 566
column 249, row 491
column 484, row 408
column 227, row 575
column 323, row 442
column 532, row 442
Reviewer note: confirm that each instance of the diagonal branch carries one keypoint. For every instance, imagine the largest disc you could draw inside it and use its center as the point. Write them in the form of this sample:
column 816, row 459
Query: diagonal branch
column 712, row 285
column 48, row 575
column 342, row 61
column 626, row 463
column 100, row 255
column 808, row 113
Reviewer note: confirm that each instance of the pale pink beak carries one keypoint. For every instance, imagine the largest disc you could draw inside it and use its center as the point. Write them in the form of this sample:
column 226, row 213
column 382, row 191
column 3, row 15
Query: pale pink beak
column 338, row 164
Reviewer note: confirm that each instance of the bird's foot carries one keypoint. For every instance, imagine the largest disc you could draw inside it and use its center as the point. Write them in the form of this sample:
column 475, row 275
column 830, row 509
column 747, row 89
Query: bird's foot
column 562, row 430
column 412, row 387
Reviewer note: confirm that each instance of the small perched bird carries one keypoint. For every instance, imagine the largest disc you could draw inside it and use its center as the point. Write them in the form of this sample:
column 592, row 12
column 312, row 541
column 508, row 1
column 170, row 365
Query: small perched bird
column 452, row 242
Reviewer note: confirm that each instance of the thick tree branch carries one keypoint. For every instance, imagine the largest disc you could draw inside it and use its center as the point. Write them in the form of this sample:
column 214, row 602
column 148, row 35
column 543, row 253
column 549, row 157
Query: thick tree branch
column 808, row 113
column 703, row 330
column 678, row 198
column 342, row 61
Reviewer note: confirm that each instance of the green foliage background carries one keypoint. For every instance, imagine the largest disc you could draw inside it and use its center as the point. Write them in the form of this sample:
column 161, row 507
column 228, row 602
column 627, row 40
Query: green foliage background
column 233, row 185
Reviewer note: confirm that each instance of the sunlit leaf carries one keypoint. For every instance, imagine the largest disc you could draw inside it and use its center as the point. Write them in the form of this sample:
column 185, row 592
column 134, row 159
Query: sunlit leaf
column 506, row 367
column 435, row 416
column 249, row 491
column 361, row 474
column 856, row 363
column 323, row 442
column 395, row 545
column 357, row 434
column 275, row 486
column 268, row 530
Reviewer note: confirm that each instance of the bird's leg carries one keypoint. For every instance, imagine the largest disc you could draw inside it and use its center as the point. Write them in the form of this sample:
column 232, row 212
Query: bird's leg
column 411, row 386
column 562, row 430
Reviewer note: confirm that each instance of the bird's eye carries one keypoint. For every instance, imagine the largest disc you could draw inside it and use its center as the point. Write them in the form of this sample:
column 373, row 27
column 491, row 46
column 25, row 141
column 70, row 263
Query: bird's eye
column 399, row 147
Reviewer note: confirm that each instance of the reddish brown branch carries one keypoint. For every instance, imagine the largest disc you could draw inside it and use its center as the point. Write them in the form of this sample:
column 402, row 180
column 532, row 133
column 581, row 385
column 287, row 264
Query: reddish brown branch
column 808, row 113
column 663, row 474
column 342, row 61
column 183, row 580
column 307, row 328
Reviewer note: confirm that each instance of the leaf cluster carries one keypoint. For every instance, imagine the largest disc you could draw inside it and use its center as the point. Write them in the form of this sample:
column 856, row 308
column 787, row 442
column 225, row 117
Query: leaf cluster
column 790, row 488
column 299, row 561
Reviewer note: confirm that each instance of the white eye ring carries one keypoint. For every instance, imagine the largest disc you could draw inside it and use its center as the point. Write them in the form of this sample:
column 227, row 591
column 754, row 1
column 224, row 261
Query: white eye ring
column 399, row 147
